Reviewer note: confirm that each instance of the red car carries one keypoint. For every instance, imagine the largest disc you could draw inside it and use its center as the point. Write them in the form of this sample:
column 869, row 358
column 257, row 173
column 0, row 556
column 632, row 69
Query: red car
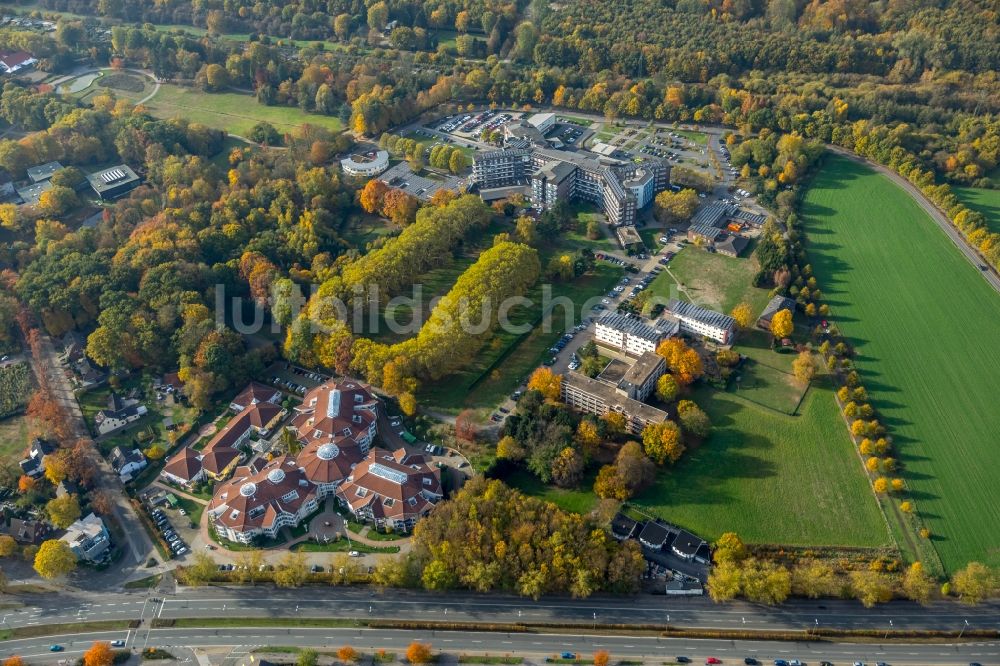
column 713, row 660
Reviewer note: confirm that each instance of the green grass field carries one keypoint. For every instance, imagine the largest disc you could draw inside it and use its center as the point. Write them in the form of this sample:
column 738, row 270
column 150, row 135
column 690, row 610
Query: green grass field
column 234, row 112
column 710, row 280
column 986, row 202
column 924, row 322
column 771, row 478
column 14, row 439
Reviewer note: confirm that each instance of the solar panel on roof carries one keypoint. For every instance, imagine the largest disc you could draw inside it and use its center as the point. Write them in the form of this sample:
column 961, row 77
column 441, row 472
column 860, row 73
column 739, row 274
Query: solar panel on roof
column 387, row 473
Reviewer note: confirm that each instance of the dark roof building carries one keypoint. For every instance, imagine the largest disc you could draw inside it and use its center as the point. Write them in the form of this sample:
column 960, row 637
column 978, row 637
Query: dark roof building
column 30, row 194
column 702, row 322
column 732, row 245
column 114, row 182
column 775, row 305
column 37, row 174
column 686, row 545
column 654, row 535
column 34, row 464
column 26, row 531
column 623, row 527
column 253, row 394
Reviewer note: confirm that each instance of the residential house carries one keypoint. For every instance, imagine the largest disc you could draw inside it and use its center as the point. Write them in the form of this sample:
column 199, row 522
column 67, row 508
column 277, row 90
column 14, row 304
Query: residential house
column 34, row 464
column 654, row 535
column 127, row 464
column 623, row 527
column 255, row 393
column 774, row 306
column 690, row 547
column 732, row 245
column 120, row 413
column 15, row 61
column 88, row 538
column 184, row 468
column 26, row 531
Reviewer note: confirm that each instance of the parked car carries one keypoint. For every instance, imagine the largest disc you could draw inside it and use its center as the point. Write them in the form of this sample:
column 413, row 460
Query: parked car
column 353, row 553
column 713, row 660
column 780, row 662
column 682, row 660
column 568, row 655
column 750, row 661
column 118, row 643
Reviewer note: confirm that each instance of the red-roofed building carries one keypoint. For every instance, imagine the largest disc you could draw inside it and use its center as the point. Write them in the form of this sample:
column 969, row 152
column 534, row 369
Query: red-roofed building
column 391, row 489
column 13, row 61
column 184, row 468
column 262, row 498
column 344, row 413
column 254, row 394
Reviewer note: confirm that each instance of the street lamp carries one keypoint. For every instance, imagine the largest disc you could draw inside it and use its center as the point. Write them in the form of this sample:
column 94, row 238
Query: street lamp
column 963, row 629
column 888, row 630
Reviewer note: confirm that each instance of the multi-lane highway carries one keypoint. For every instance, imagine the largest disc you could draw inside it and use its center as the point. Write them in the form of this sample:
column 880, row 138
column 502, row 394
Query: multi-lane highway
column 408, row 605
column 532, row 646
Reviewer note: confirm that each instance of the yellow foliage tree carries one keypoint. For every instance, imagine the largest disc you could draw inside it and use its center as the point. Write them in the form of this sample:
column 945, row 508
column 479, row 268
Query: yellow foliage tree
column 99, row 654
column 781, row 324
column 54, row 559
column 662, row 442
column 743, row 316
column 546, row 382
column 419, row 653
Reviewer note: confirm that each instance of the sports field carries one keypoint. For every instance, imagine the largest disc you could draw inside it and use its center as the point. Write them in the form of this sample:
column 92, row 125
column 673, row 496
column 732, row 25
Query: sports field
column 985, row 201
column 770, row 477
column 926, row 326
column 234, row 112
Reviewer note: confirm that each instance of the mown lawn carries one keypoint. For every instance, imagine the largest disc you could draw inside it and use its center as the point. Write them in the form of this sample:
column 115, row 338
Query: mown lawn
column 770, row 477
column 985, row 201
column 710, row 280
column 925, row 324
column 234, row 112
column 14, row 439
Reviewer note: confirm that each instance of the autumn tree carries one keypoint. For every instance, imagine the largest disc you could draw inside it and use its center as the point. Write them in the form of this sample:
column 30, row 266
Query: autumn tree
column 372, row 195
column 546, row 382
column 871, row 587
column 508, row 448
column 662, row 442
column 99, row 654
column 670, row 207
column 13, row 661
column 917, row 585
column 8, row 547
column 781, row 324
column 974, row 583
column 419, row 653
column 292, row 571
column 766, row 582
column 693, row 419
column 567, row 468
column 805, row 367
column 407, row 403
column 399, row 207
column 667, row 388
column 202, row 570
column 307, row 657
column 725, row 581
column 615, row 423
column 814, row 579
column 601, row 658
column 609, row 484
column 684, row 362
column 54, row 559
column 729, row 548
column 347, row 654
column 588, row 436
column 743, row 316
column 465, row 426
column 63, row 511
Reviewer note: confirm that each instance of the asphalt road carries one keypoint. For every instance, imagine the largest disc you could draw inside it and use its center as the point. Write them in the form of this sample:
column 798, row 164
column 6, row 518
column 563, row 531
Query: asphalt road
column 266, row 601
column 533, row 646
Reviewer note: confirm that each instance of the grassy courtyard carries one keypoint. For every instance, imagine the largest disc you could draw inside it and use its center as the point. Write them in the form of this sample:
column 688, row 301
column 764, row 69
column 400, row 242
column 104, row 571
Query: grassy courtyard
column 234, row 112
column 711, row 280
column 921, row 317
column 578, row 500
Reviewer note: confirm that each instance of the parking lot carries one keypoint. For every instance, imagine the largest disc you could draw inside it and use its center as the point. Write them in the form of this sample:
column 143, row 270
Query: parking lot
column 173, row 525
column 293, row 379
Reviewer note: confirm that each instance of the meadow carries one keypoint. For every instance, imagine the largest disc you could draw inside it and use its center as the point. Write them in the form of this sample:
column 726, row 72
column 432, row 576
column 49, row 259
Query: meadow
column 711, row 280
column 234, row 112
column 985, row 201
column 770, row 477
column 925, row 325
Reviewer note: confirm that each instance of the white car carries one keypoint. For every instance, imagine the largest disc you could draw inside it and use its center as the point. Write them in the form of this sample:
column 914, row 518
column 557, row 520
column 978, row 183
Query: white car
column 354, row 553
column 663, row 239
